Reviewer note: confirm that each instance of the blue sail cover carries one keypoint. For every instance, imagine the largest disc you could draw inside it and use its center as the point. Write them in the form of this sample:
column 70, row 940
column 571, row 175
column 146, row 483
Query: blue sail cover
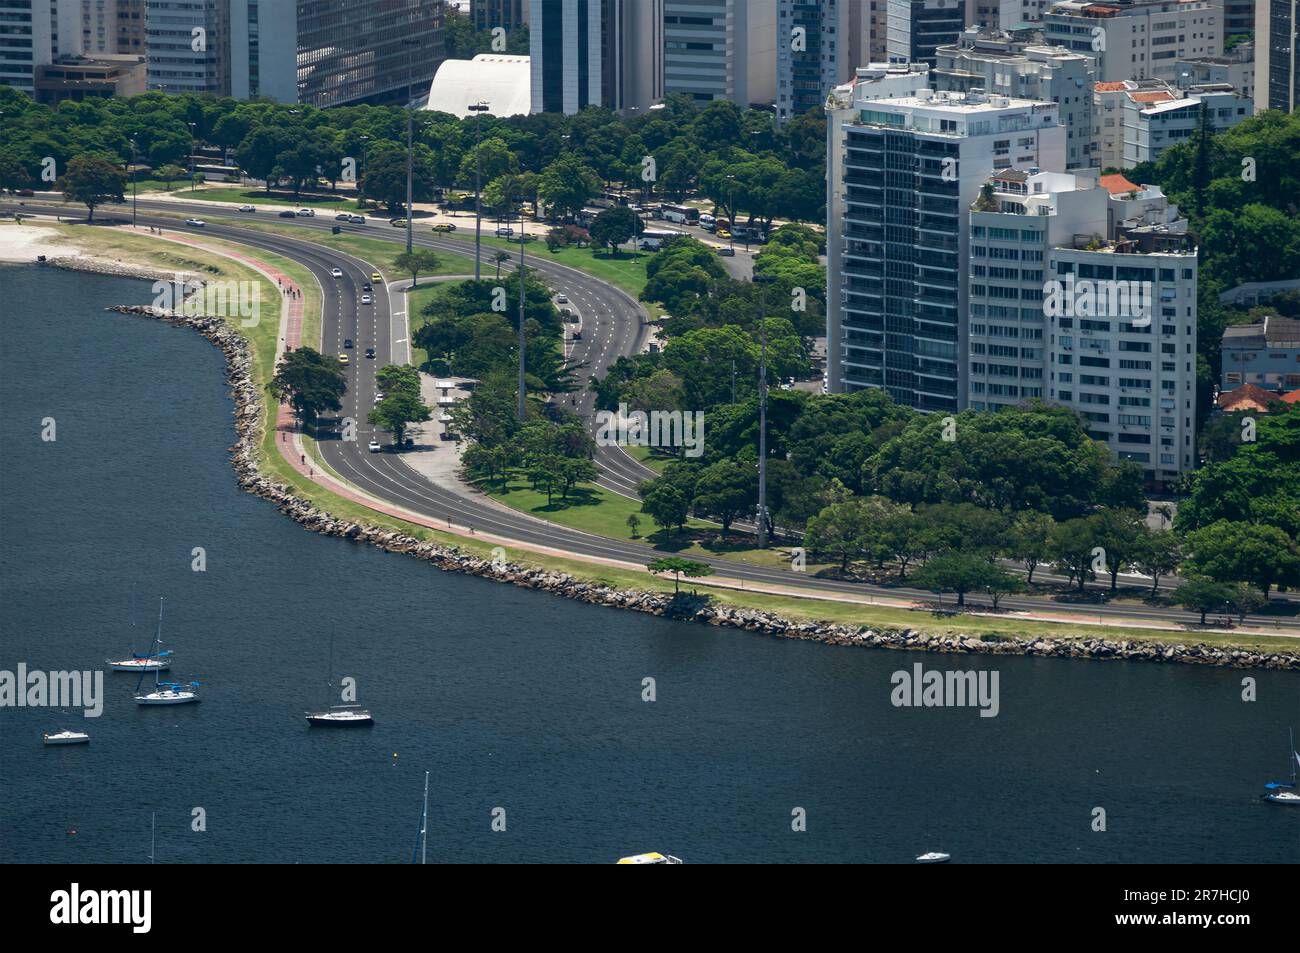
column 1274, row 785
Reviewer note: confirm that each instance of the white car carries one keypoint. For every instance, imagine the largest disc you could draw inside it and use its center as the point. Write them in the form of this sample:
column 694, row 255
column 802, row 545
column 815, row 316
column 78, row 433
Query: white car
column 195, row 222
column 357, row 219
column 342, row 217
column 374, row 446
column 306, row 213
column 379, row 396
column 366, row 299
column 562, row 298
column 336, row 272
column 248, row 208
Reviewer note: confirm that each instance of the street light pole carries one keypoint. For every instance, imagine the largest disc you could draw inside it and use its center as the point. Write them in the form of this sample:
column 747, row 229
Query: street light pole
column 762, row 422
column 134, row 176
column 191, row 125
column 523, row 406
column 478, row 109
column 410, row 144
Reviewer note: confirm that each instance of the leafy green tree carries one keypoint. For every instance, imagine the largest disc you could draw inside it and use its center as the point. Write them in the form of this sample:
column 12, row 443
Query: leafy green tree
column 614, row 226
column 416, row 261
column 397, row 411
column 1071, row 547
column 633, row 524
column 1263, row 556
column 1121, row 533
column 490, row 463
column 667, row 506
column 311, row 382
column 840, row 530
column 726, row 490
column 92, row 180
column 169, row 173
column 963, row 573
column 1158, row 555
column 1029, row 540
column 679, row 567
column 1203, row 595
column 566, row 185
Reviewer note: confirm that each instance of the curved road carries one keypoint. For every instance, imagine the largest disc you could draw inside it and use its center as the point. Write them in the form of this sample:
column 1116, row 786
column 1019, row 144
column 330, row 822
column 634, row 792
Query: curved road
column 618, row 327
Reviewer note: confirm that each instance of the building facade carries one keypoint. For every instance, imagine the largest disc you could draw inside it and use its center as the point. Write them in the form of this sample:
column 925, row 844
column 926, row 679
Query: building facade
column 510, row 15
column 903, row 172
column 813, row 47
column 917, row 28
column 1266, row 354
column 1136, row 39
column 596, row 53
column 721, row 49
column 1277, row 81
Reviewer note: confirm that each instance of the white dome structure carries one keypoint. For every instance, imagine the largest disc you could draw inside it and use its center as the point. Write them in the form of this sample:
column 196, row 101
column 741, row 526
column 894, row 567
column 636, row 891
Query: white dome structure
column 502, row 82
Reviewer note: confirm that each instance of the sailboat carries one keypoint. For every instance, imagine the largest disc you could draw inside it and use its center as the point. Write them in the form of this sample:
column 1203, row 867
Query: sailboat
column 165, row 693
column 422, row 835
column 934, row 857
column 156, row 661
column 339, row 716
column 1284, row 792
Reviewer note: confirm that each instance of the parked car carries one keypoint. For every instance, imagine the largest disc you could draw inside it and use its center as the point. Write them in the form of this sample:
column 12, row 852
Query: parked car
column 706, row 219
column 195, row 222
column 306, row 213
column 506, row 232
column 562, row 298
column 248, row 208
column 444, row 227
column 723, row 232
column 577, row 334
column 287, row 214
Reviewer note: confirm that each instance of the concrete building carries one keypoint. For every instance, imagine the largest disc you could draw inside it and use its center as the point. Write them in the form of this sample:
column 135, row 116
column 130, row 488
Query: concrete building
column 588, row 53
column 1015, row 65
column 903, row 171
column 501, row 81
column 510, row 15
column 1266, row 354
column 1238, row 18
column 1136, row 39
column 1006, row 14
column 78, row 78
column 1235, row 69
column 916, row 28
column 721, row 49
column 188, row 45
column 1085, row 296
column 868, row 28
column 1277, row 81
column 1137, row 120
column 36, row 33
column 813, row 51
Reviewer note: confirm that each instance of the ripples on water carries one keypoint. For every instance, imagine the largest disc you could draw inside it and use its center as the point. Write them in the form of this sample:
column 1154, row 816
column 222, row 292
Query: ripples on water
column 511, row 699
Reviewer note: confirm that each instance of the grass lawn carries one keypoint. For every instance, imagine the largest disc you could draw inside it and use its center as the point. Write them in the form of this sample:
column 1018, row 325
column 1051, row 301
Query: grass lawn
column 627, row 271
column 252, row 195
column 648, row 456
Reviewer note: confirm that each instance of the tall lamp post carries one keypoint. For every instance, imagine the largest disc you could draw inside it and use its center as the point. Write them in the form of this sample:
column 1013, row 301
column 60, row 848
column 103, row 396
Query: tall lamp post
column 478, row 109
column 191, row 125
column 361, row 191
column 762, row 414
column 133, row 178
column 410, row 141
column 523, row 405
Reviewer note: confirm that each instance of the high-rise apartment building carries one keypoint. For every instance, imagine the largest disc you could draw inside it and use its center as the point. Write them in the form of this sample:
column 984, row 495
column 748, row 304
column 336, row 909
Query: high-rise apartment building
column 507, row 14
column 903, row 172
column 596, row 53
column 1014, row 64
column 1083, row 293
column 1136, row 39
column 1137, row 120
column 721, row 49
column 916, row 28
column 813, row 49
column 868, row 28
column 1006, row 14
column 188, row 45
column 1277, row 81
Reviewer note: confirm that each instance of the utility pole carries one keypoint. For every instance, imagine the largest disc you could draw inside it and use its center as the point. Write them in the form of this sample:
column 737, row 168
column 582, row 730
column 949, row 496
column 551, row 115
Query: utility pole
column 410, row 144
column 134, row 176
column 523, row 406
column 762, row 422
column 478, row 109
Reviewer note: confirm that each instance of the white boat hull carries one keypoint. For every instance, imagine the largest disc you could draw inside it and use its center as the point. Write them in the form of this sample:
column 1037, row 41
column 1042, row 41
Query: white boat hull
column 138, row 665
column 1285, row 797
column 166, row 698
column 67, row 738
column 340, row 719
column 934, row 857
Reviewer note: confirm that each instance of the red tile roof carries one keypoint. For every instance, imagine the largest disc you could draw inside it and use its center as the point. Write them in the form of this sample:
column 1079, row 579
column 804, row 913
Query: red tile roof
column 1117, row 184
column 1247, row 397
column 1109, row 87
column 1291, row 398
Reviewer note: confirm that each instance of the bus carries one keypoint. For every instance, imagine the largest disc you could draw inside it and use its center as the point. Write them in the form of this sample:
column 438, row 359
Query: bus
column 681, row 214
column 651, row 240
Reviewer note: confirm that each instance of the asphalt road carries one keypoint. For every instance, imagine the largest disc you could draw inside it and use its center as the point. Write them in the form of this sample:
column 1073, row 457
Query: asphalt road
column 618, row 325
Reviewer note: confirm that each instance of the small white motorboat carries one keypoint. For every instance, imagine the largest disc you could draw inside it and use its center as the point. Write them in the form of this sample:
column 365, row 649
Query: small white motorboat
column 341, row 716
column 66, row 738
column 654, row 857
column 934, row 857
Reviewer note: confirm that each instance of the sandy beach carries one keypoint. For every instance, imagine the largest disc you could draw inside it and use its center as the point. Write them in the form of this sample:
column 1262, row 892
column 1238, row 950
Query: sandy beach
column 24, row 242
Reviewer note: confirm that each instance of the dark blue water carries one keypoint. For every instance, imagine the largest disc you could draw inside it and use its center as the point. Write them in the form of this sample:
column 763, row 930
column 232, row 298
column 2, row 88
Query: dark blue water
column 511, row 699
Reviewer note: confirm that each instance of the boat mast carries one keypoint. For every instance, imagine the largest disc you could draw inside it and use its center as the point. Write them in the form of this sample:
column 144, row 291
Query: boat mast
column 158, row 642
column 424, row 821
column 153, row 824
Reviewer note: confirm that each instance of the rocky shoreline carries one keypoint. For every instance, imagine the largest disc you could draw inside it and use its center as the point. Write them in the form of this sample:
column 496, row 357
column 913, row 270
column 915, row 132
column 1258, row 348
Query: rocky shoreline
column 244, row 454
column 117, row 269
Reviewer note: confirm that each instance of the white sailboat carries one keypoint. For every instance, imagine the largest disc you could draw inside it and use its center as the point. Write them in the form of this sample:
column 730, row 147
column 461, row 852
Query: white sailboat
column 1285, row 792
column 338, row 716
column 165, row 693
column 157, row 661
column 422, row 835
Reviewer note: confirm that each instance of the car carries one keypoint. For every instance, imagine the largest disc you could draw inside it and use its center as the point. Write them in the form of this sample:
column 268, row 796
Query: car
column 374, row 446
column 347, row 342
column 376, row 276
column 288, row 214
column 727, row 252
column 195, row 222
column 306, row 213
column 398, row 223
column 444, row 227
column 370, row 352
column 506, row 232
column 562, row 298
column 710, row 227
column 342, row 217
column 366, row 299
column 343, row 358
column 357, row 219
column 248, row 208
column 379, row 396
column 25, row 193
column 336, row 272
column 366, row 287
column 723, row 233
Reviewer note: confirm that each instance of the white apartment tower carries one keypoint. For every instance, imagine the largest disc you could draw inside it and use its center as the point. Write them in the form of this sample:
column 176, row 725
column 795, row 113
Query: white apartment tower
column 1083, row 294
column 720, row 49
column 902, row 173
column 1136, row 39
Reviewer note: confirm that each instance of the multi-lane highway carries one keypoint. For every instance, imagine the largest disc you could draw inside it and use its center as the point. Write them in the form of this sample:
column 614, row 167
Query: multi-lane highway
column 613, row 325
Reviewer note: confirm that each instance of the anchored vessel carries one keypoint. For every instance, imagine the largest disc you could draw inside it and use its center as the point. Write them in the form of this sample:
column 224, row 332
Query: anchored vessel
column 1284, row 792
column 934, row 857
column 654, row 857
column 156, row 661
column 165, row 693
column 67, row 738
column 339, row 716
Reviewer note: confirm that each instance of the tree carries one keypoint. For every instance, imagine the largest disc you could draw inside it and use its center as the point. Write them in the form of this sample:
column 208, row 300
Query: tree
column 490, row 462
column 1158, row 554
column 962, row 573
column 1028, row 540
column 416, row 261
column 566, row 185
column 840, row 530
column 614, row 226
column 1071, row 546
column 1247, row 599
column 725, row 490
column 1262, row 556
column 310, row 381
column 679, row 567
column 633, row 524
column 1120, row 534
column 397, row 411
column 92, row 180
column 1202, row 595
column 169, row 173
column 666, row 505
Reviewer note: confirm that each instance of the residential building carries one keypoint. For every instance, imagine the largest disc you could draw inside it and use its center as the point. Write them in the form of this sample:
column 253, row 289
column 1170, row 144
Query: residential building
column 1015, row 64
column 1006, row 14
column 902, row 173
column 1238, row 18
column 188, row 46
column 916, row 28
column 588, row 53
column 1265, row 354
column 812, row 53
column 1235, row 69
column 1277, row 81
column 510, row 15
column 1136, row 39
column 721, row 49
column 78, row 78
column 1083, row 294
column 868, row 28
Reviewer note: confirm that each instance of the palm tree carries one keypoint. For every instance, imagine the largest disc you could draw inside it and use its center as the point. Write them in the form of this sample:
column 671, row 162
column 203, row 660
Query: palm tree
column 502, row 258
